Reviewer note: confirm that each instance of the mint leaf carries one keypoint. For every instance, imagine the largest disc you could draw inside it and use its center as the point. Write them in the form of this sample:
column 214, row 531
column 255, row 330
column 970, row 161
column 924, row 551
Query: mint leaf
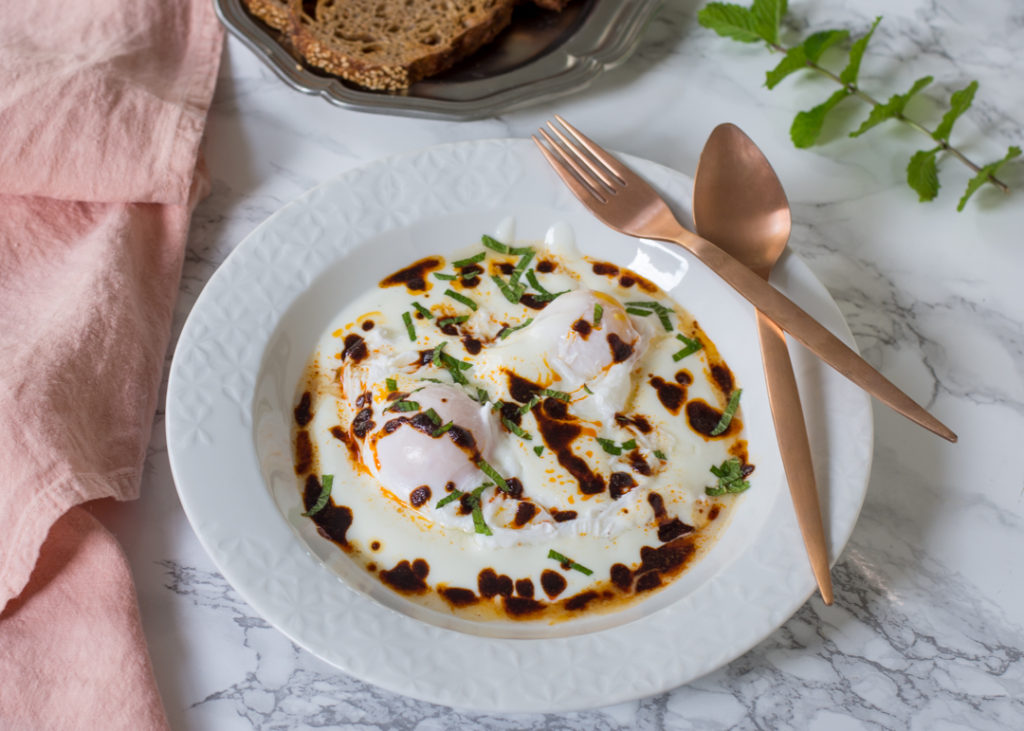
column 730, row 21
column 767, row 16
column 817, row 43
column 849, row 75
column 794, row 60
column 983, row 175
column 923, row 175
column 809, row 51
column 958, row 104
column 892, row 108
column 807, row 125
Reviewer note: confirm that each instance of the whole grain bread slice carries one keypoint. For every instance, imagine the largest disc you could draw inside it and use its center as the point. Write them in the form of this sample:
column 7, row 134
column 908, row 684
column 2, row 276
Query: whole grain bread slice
column 391, row 44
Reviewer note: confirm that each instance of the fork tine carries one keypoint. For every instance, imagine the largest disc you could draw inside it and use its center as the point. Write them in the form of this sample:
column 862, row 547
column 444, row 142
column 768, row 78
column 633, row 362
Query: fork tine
column 614, row 166
column 582, row 158
column 582, row 183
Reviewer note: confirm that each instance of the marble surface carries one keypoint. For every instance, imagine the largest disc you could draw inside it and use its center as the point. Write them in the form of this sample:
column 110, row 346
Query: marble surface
column 928, row 626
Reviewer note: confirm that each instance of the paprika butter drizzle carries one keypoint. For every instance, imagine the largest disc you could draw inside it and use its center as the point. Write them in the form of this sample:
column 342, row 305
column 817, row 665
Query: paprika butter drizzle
column 467, row 440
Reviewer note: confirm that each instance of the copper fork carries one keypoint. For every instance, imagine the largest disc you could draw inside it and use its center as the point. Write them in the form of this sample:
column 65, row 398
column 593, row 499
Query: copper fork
column 624, row 201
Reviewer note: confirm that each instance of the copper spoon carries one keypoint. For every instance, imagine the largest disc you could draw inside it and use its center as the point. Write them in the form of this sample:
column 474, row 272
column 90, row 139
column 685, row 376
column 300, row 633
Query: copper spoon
column 739, row 204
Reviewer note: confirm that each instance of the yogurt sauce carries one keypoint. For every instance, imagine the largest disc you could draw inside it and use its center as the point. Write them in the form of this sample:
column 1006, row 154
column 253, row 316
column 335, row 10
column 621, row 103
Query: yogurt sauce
column 530, row 434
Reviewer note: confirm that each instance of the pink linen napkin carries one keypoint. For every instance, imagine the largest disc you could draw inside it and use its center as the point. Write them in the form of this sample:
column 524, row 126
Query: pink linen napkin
column 101, row 114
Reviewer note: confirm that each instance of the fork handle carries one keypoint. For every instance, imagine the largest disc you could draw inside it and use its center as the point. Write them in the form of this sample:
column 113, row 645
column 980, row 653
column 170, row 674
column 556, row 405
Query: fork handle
column 804, row 328
column 791, row 431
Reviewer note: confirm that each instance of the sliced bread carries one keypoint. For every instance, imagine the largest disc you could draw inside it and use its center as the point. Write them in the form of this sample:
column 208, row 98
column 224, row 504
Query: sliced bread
column 391, row 44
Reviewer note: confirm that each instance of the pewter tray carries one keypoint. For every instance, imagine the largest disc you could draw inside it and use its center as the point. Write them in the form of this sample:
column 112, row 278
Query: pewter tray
column 540, row 56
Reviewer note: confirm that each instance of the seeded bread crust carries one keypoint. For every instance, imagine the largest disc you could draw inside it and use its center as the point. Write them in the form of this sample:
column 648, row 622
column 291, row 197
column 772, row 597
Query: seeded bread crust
column 272, row 12
column 391, row 44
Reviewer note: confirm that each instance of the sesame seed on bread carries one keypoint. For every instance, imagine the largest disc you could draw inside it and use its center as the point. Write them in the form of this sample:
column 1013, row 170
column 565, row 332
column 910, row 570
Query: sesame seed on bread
column 272, row 12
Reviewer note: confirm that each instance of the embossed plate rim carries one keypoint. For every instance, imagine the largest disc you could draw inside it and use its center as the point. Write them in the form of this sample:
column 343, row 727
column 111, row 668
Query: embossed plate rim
column 215, row 465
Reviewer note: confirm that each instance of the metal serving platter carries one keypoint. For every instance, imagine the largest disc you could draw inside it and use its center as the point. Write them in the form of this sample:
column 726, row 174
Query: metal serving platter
column 541, row 55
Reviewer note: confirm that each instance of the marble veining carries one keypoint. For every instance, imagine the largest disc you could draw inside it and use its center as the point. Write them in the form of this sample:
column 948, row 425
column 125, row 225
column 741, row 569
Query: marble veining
column 928, row 627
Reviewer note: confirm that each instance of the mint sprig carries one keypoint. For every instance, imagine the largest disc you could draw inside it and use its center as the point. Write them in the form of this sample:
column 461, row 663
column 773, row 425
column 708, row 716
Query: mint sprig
column 761, row 22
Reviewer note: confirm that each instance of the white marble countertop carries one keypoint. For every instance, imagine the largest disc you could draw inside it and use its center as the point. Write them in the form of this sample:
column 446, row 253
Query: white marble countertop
column 928, row 626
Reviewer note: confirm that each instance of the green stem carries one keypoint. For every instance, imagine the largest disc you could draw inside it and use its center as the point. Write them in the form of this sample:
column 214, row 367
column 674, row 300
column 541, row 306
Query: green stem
column 856, row 91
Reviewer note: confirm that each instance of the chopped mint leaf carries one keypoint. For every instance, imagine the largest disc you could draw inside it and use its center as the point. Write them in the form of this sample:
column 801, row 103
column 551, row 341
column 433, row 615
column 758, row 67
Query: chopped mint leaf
column 534, row 400
column 493, row 474
column 470, row 260
column 460, row 298
column 548, row 296
column 452, row 320
column 407, row 319
column 730, row 478
column 327, row 482
column 531, row 277
column 494, row 245
column 516, row 429
column 641, row 308
column 521, row 265
column 568, row 562
column 478, row 513
column 512, row 294
column 442, row 429
column 509, row 330
column 730, row 410
column 449, row 498
column 560, row 395
column 692, row 346
column 436, row 355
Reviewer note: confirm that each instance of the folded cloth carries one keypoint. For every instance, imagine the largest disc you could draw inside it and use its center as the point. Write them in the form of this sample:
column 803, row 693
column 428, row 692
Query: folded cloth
column 105, row 100
column 101, row 113
column 89, row 669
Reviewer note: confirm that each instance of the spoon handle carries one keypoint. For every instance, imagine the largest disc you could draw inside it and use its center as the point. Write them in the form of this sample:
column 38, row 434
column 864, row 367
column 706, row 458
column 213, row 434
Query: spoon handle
column 794, row 448
column 802, row 327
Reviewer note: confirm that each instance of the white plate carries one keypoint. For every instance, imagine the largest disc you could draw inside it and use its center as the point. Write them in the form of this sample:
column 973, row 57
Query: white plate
column 231, row 393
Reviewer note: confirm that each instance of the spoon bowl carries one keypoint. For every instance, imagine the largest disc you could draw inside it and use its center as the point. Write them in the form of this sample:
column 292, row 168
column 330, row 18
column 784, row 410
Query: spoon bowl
column 739, row 202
